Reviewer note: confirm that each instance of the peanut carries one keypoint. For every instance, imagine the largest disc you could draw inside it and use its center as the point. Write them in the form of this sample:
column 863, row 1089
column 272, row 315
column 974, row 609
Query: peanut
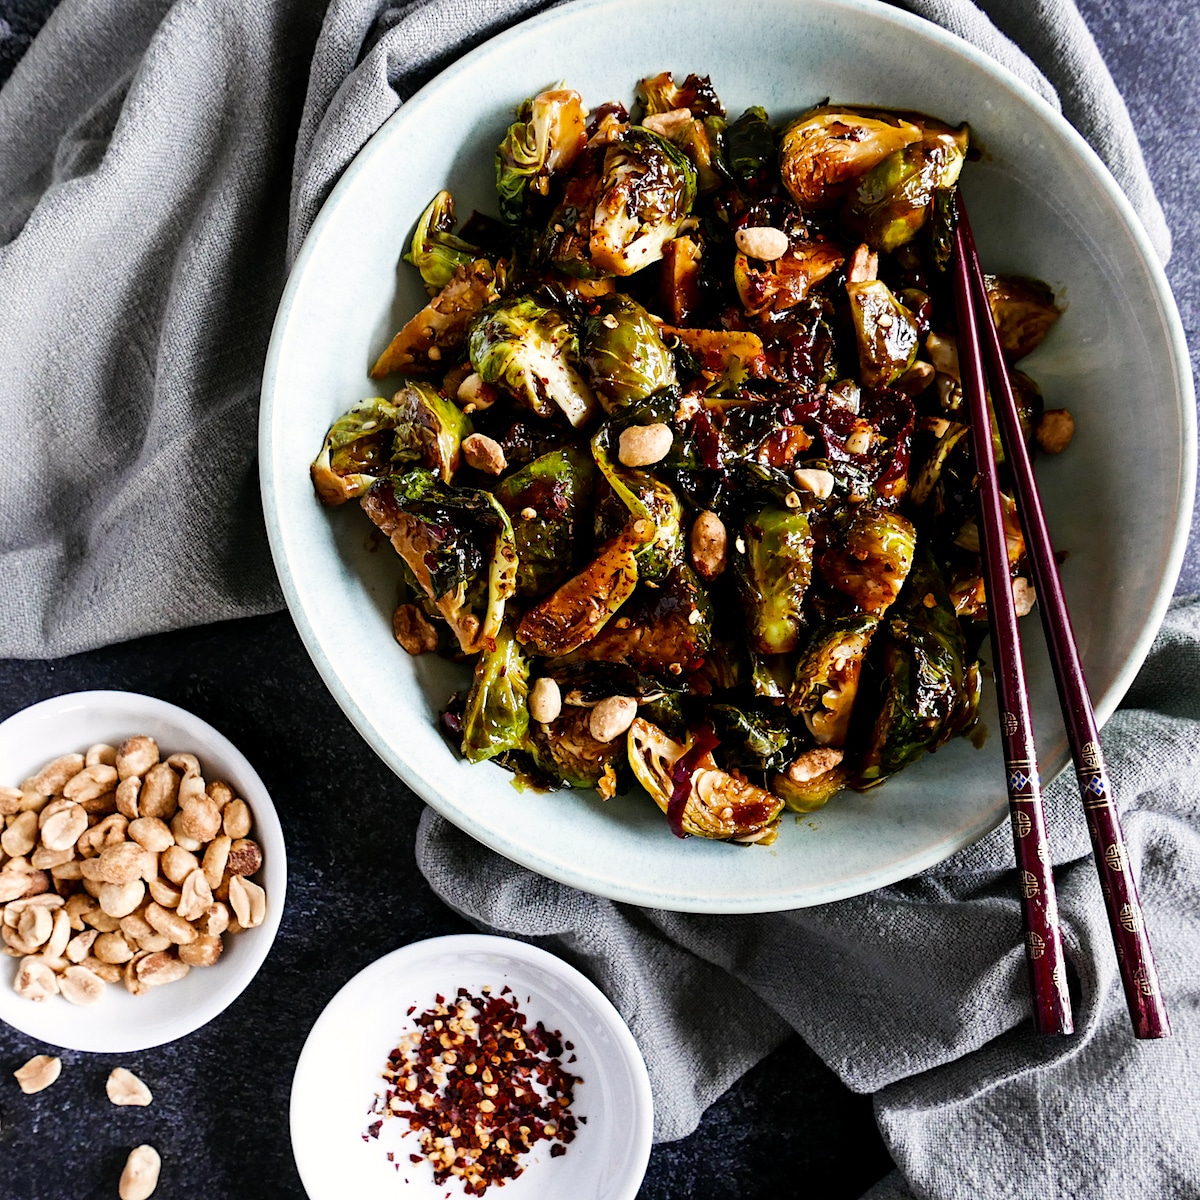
column 195, row 896
column 203, row 952
column 159, row 794
column 122, row 863
column 151, row 834
column 414, row 630
column 199, row 818
column 90, row 783
column 35, row 980
column 21, row 835
column 818, row 482
column 644, row 445
column 763, row 242
column 112, row 948
column 127, row 797
column 81, row 986
column 545, row 700
column 609, row 719
column 38, row 1073
column 219, row 793
column 236, row 819
column 1055, row 430
column 10, row 801
column 245, row 857
column 124, row 1088
column 136, row 756
column 709, row 545
column 159, row 968
column 216, row 860
column 101, row 752
column 484, row 454
column 170, row 924
column 120, row 899
column 140, row 1176
column 52, row 778
column 177, row 864
column 249, row 901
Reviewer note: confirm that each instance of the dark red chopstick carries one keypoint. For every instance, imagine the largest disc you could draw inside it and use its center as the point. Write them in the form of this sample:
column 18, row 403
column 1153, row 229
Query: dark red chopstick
column 1039, row 906
column 1135, row 958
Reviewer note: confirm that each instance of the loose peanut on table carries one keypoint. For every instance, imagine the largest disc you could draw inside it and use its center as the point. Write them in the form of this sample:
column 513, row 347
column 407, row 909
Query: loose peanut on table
column 140, row 1176
column 38, row 1073
column 116, row 867
column 125, row 1088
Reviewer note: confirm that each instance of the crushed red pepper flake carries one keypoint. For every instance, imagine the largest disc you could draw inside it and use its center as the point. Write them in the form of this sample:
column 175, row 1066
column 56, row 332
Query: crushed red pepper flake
column 474, row 1108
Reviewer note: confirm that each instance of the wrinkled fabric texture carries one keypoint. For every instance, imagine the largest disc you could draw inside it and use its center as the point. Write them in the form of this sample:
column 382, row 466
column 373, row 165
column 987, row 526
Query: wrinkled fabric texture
column 918, row 992
column 160, row 164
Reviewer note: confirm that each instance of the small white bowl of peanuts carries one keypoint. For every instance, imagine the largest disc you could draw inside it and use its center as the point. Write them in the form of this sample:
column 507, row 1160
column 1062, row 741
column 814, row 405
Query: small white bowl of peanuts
column 142, row 872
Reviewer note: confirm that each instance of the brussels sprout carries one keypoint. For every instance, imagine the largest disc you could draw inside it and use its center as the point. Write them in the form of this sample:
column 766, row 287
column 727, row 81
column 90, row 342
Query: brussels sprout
column 548, row 134
column 1023, row 309
column 873, row 560
column 429, row 430
column 771, row 675
column 578, row 609
column 701, row 142
column 666, row 629
column 827, row 677
column 752, row 741
column 435, row 251
column 437, row 333
column 661, row 94
column 892, row 201
column 777, row 286
column 665, row 550
column 728, row 356
column 931, row 470
column 458, row 544
column 566, row 751
column 885, row 330
column 356, row 451
column 773, row 575
column 532, row 351
column 496, row 718
column 712, row 803
column 679, row 279
column 646, row 190
column 812, row 780
column 625, row 357
column 557, row 487
column 930, row 692
column 827, row 149
column 749, row 144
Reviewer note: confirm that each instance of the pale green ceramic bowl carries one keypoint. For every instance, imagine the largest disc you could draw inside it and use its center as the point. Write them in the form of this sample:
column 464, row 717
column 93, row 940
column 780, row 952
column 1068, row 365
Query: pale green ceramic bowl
column 1041, row 204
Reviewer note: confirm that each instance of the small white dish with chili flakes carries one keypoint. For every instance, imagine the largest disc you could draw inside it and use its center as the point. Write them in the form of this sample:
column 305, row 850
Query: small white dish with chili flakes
column 456, row 1065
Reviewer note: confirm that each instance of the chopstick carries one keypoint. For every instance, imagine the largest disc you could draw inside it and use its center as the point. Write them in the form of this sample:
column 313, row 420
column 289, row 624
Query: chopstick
column 1039, row 904
column 1135, row 958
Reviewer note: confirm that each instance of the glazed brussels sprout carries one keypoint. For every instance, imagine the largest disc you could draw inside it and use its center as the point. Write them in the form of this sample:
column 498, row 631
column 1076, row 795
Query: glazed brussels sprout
column 753, row 741
column 548, row 134
column 827, row 149
column 657, row 557
column 698, row 797
column 458, row 544
column 930, row 692
column 782, row 284
column 429, row 430
column 872, row 561
column 532, row 352
column 893, row 200
column 661, row 94
column 1024, row 310
column 557, row 488
column 357, row 450
column 565, row 750
column 435, row 251
column 496, row 718
column 812, row 780
column 646, row 190
column 625, row 357
column 885, row 331
column 749, row 144
column 827, row 677
column 773, row 575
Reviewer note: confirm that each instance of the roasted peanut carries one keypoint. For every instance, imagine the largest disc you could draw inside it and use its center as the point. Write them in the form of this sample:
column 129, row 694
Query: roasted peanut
column 21, row 835
column 484, row 454
column 109, row 972
column 35, row 925
column 45, row 859
column 136, row 756
column 52, row 778
column 763, row 242
column 124, row 1088
column 199, row 818
column 185, row 764
column 10, row 801
column 122, row 863
column 159, row 794
column 110, row 831
column 81, row 986
column 203, row 952
column 245, row 857
column 215, row 920
column 35, row 980
column 216, row 859
column 101, row 752
column 1055, row 430
column 151, row 834
column 545, row 700
column 236, row 819
column 170, row 924
column 154, row 941
column 814, row 480
column 159, row 968
column 90, row 783
column 164, row 893
column 219, row 793
column 195, row 896
column 80, row 946
column 248, row 901
column 127, row 797
column 112, row 948
column 38, row 1073
column 414, row 630
column 177, row 864
column 120, row 899
column 182, row 839
column 140, row 1176
column 644, row 445
column 98, row 919
column 60, row 935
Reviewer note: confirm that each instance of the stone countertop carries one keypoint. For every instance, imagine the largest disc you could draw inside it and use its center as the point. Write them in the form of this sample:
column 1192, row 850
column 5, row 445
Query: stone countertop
column 219, row 1116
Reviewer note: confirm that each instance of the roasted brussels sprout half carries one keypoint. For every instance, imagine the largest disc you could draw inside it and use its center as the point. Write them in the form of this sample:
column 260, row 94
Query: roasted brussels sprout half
column 698, row 797
column 357, row 450
column 950, row 435
column 557, row 487
column 777, row 286
column 532, row 351
column 429, row 430
column 665, row 550
column 1024, row 310
column 827, row 149
column 753, row 741
column 930, row 693
column 893, row 200
column 872, row 561
column 625, row 357
column 496, row 718
column 749, row 144
column 827, row 676
column 885, row 331
column 773, row 575
column 661, row 94
column 458, row 544
column 646, row 190
column 812, row 780
column 435, row 251
column 549, row 132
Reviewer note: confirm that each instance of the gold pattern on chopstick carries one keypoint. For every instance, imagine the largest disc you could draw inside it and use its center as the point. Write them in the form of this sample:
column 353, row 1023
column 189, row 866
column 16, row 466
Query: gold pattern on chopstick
column 1089, row 756
column 1029, row 884
column 1131, row 918
column 1034, row 945
column 1009, row 723
column 1115, row 857
column 1023, row 823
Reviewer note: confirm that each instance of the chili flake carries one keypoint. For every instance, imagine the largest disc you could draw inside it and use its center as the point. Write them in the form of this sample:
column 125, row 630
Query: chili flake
column 479, row 1088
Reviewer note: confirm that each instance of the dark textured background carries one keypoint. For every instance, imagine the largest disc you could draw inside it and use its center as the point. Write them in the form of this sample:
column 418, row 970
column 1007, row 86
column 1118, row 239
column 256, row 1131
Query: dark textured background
column 219, row 1116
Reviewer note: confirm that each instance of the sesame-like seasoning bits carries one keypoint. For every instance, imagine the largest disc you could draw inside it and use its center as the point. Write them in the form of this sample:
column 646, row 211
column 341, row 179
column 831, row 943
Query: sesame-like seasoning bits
column 479, row 1088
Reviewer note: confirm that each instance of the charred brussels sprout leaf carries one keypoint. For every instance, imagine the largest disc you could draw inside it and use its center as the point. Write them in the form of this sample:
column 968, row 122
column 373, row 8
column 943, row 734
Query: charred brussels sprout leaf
column 773, row 576
column 929, row 691
column 557, row 487
column 550, row 130
column 711, row 802
column 646, row 189
column 1023, row 309
column 429, row 430
column 532, row 351
column 827, row 676
column 357, row 450
column 661, row 94
column 749, row 144
column 885, row 331
column 752, row 741
column 893, row 200
column 664, row 551
column 496, row 717
column 625, row 357
column 873, row 560
column 827, row 149
column 435, row 251
column 458, row 544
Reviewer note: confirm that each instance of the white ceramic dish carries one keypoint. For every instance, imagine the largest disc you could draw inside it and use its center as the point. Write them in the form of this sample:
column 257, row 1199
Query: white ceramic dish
column 1041, row 203
column 338, row 1075
column 122, row 1022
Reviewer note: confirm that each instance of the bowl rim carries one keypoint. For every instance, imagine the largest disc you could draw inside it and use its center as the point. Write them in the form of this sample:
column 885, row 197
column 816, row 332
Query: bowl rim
column 1073, row 142
column 216, row 999
column 641, row 1114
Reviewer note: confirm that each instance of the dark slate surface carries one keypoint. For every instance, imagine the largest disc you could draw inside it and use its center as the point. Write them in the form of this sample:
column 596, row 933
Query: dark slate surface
column 221, row 1095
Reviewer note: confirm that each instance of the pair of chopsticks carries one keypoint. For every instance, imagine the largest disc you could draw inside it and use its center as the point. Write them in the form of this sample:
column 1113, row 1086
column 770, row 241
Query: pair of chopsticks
column 980, row 357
